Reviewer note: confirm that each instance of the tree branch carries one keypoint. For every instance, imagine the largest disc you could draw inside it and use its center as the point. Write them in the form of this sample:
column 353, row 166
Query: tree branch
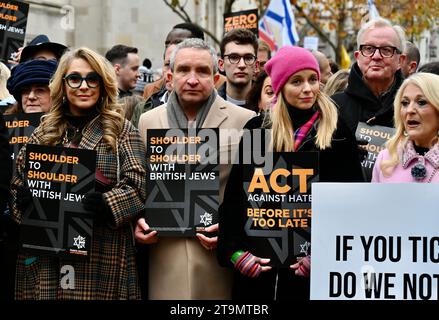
column 176, row 11
column 188, row 18
column 185, row 17
column 316, row 27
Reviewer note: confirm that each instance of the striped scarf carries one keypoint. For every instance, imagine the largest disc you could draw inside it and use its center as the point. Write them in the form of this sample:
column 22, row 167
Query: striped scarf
column 301, row 132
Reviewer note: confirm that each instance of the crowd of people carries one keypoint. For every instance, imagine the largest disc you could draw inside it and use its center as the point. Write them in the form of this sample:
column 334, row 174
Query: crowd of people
column 92, row 101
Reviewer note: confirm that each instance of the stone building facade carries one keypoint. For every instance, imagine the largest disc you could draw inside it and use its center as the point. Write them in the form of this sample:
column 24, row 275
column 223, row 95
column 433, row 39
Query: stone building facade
column 99, row 24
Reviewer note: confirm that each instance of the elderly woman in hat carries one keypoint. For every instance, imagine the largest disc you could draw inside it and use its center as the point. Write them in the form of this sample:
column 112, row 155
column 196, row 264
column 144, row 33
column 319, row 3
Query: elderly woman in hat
column 302, row 119
column 29, row 84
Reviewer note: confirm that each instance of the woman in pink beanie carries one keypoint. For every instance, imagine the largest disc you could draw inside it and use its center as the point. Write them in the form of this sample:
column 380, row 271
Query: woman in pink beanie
column 302, row 119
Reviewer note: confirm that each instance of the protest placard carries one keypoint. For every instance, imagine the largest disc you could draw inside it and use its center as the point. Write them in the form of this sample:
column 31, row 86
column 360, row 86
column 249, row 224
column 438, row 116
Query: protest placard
column 278, row 206
column 13, row 21
column 374, row 138
column 247, row 19
column 182, row 180
column 375, row 241
column 55, row 222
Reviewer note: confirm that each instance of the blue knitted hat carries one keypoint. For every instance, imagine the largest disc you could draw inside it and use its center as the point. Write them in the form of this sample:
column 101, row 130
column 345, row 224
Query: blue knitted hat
column 28, row 73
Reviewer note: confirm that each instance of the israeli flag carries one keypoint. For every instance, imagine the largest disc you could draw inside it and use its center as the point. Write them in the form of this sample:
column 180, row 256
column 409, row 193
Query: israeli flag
column 280, row 12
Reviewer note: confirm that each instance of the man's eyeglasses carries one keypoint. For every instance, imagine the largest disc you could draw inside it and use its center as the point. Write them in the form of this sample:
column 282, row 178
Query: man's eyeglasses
column 75, row 80
column 234, row 58
column 385, row 52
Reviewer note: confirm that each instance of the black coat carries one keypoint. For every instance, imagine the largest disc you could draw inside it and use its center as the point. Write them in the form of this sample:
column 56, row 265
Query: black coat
column 358, row 104
column 339, row 163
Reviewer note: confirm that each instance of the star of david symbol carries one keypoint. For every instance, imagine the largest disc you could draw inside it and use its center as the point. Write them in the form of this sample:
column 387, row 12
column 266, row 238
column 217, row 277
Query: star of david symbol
column 79, row 242
column 206, row 219
column 305, row 247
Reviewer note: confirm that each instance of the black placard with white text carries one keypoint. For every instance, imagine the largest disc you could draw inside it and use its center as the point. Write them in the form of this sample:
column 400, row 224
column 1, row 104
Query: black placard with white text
column 56, row 222
column 13, row 21
column 376, row 137
column 20, row 128
column 182, row 180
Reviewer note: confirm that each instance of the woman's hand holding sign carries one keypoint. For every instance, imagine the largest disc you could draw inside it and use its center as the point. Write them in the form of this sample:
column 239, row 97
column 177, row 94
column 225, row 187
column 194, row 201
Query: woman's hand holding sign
column 302, row 267
column 143, row 233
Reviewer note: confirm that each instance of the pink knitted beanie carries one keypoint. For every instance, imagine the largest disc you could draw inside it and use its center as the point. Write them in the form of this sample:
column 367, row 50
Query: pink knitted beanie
column 287, row 61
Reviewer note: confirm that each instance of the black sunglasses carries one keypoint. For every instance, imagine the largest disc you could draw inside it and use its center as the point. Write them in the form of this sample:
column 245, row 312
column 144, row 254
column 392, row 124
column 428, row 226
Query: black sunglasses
column 74, row 80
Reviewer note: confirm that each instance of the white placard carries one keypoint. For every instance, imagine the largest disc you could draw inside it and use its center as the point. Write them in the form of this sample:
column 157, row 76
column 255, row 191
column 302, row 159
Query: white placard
column 375, row 241
column 311, row 43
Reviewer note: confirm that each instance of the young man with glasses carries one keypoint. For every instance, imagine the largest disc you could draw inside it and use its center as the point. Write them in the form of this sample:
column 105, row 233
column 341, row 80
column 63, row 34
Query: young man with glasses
column 375, row 76
column 239, row 63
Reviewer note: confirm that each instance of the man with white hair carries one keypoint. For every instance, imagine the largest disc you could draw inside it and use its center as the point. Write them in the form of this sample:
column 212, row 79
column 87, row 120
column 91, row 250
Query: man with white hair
column 375, row 76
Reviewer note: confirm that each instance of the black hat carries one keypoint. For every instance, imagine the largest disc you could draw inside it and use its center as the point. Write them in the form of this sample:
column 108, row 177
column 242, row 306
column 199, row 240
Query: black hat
column 41, row 42
column 28, row 73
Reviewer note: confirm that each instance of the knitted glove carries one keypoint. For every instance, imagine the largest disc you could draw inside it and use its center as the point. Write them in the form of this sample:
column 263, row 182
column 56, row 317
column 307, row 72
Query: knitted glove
column 248, row 265
column 95, row 203
column 303, row 266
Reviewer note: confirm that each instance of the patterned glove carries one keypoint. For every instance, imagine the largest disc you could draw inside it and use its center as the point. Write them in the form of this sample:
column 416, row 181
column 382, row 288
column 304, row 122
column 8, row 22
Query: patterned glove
column 303, row 266
column 248, row 265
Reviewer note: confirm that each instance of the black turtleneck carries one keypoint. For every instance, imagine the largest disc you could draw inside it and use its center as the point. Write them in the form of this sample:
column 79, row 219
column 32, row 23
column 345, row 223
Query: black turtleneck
column 299, row 116
column 76, row 124
column 420, row 150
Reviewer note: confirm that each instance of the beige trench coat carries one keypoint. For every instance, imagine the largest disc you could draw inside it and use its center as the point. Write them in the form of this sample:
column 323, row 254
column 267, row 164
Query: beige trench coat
column 181, row 268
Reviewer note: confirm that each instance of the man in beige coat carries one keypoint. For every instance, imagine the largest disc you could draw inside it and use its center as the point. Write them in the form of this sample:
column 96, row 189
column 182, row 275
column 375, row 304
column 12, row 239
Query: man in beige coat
column 187, row 268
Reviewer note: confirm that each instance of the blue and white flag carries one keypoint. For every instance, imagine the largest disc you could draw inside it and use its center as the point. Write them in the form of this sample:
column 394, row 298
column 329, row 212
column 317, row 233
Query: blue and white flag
column 373, row 11
column 280, row 13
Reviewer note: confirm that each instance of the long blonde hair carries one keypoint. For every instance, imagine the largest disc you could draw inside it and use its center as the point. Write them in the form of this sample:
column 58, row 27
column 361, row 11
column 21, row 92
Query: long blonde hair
column 282, row 128
column 54, row 123
column 429, row 85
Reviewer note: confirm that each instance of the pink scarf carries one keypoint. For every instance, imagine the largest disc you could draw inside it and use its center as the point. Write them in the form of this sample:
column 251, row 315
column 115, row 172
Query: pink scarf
column 301, row 133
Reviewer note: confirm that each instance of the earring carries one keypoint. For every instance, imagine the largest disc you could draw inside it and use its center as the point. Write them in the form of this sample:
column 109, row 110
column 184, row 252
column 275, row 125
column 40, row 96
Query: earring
column 406, row 134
